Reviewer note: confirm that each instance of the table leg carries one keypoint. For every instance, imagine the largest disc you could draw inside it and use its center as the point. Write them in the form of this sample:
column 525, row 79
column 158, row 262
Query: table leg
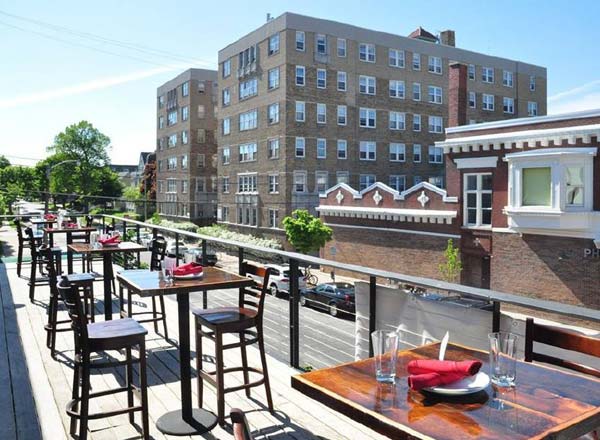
column 108, row 277
column 69, row 254
column 187, row 420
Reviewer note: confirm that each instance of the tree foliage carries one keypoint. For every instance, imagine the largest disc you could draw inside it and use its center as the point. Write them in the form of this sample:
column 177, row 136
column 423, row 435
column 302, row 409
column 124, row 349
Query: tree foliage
column 132, row 193
column 306, row 232
column 451, row 269
column 149, row 180
column 17, row 182
column 4, row 162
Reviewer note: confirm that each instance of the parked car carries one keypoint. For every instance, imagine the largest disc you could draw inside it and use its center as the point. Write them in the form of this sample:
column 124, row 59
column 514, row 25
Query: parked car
column 183, row 249
column 279, row 280
column 196, row 255
column 332, row 297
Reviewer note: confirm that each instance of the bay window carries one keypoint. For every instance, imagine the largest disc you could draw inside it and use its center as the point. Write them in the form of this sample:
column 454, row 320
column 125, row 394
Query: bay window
column 477, row 200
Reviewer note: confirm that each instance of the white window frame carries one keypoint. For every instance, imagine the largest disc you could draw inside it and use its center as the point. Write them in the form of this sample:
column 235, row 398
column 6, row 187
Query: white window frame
column 370, row 180
column 370, row 82
column 300, row 177
column 342, row 145
column 471, row 72
column 416, row 91
column 435, row 154
column 434, row 65
column 367, row 52
column 397, row 152
column 300, row 38
column 396, row 58
column 273, row 46
column 397, row 121
column 321, row 174
column 273, row 113
column 486, row 104
column 273, row 153
column 398, row 178
column 275, row 84
column 300, row 143
column 479, row 210
column 318, row 39
column 508, row 105
column 273, row 218
column 532, row 84
column 435, row 94
column 302, row 105
column 344, row 75
column 342, row 115
column 472, row 100
column 416, row 61
column 321, row 81
column 417, row 152
column 507, row 78
column 417, row 127
column 433, row 127
column 341, row 49
column 273, row 183
column 300, row 72
column 397, row 89
column 321, row 113
column 321, row 148
column 342, row 177
column 367, row 150
column 367, row 117
column 532, row 108
column 487, row 75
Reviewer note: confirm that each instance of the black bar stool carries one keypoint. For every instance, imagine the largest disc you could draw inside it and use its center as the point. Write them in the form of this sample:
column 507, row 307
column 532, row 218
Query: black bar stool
column 38, row 262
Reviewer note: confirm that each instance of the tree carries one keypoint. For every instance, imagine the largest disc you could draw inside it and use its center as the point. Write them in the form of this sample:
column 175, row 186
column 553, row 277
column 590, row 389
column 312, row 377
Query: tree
column 17, row 182
column 306, row 232
column 148, row 181
column 132, row 193
column 451, row 269
column 4, row 162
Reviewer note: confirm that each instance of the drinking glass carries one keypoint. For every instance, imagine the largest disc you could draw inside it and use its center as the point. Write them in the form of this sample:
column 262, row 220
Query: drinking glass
column 385, row 349
column 503, row 360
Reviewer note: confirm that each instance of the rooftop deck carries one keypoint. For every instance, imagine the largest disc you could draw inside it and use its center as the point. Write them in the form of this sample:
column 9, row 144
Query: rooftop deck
column 34, row 388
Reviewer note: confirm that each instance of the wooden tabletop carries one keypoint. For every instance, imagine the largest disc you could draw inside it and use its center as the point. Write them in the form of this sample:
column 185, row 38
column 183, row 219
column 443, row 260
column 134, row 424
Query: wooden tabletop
column 545, row 403
column 89, row 248
column 149, row 283
column 67, row 230
column 38, row 221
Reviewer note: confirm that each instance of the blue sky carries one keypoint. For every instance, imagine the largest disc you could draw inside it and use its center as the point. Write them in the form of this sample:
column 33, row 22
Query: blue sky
column 62, row 77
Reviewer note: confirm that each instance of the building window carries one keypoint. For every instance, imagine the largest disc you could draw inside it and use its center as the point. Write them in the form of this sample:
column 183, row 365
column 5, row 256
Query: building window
column 417, row 153
column 435, row 65
column 201, row 111
column 478, row 199
column 226, row 97
column 201, row 87
column 532, row 108
column 300, row 181
column 273, row 148
column 200, row 161
column 161, row 122
column 507, row 78
column 487, row 74
column 161, row 187
column 172, row 163
column 184, row 137
column 397, row 152
column 184, row 186
column 472, row 100
column 226, row 68
column 437, row 181
column 185, row 113
column 321, row 44
column 300, row 111
column 300, row 73
column 273, row 183
column 416, row 122
column 367, row 117
column 342, row 149
column 185, row 89
column 226, row 155
column 341, row 81
column 273, row 218
column 321, row 181
column 173, row 140
column 435, row 94
column 321, row 78
column 471, row 71
column 341, row 47
column 160, row 165
column 247, row 152
column 225, row 213
column 300, row 147
column 172, row 118
column 342, row 114
column 508, row 105
column 398, row 183
column 397, row 121
column 416, row 92
column 321, row 148
column 171, row 185
column 248, row 120
column 366, row 52
column 436, row 124
column 436, row 154
column 396, row 58
column 161, row 144
column 536, row 186
column 225, row 184
column 300, row 41
column 161, row 101
column 342, row 177
column 487, row 102
column 247, row 183
column 366, row 85
column 366, row 180
column 416, row 61
column 248, row 88
column 397, row 89
column 321, row 113
column 273, row 44
column 273, row 111
column 226, row 126
column 368, row 150
column 273, row 82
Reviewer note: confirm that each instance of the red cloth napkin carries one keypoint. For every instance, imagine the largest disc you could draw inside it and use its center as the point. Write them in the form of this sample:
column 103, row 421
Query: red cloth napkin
column 187, row 269
column 112, row 240
column 71, row 225
column 431, row 373
column 49, row 217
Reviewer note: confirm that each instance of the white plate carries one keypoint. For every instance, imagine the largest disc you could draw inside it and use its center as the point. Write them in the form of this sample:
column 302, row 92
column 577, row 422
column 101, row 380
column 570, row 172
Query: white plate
column 468, row 385
column 192, row 276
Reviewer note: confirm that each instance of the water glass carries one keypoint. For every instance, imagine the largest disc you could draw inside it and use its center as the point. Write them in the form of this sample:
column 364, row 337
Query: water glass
column 385, row 349
column 503, row 358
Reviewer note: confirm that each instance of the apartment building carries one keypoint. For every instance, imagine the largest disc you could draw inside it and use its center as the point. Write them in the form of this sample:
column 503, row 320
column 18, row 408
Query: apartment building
column 306, row 103
column 186, row 148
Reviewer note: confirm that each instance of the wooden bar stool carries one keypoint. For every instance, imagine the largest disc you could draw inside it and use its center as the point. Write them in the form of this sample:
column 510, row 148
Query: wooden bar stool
column 158, row 250
column 121, row 334
column 247, row 322
column 24, row 243
column 38, row 262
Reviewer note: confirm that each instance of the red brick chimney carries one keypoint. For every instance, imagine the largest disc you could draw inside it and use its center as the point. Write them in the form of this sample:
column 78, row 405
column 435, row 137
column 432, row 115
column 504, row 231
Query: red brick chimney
column 457, row 95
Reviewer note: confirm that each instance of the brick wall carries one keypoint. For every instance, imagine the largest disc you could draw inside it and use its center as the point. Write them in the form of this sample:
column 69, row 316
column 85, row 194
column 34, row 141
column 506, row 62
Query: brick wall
column 552, row 268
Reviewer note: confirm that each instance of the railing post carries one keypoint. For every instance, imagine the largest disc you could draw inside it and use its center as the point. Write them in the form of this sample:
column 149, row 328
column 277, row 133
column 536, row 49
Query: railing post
column 177, row 248
column 204, row 256
column 138, row 238
column 294, row 315
column 372, row 311
column 154, row 232
column 103, row 223
column 496, row 317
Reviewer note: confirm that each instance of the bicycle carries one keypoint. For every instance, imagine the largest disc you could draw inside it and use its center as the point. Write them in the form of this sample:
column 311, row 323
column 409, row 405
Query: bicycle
column 310, row 278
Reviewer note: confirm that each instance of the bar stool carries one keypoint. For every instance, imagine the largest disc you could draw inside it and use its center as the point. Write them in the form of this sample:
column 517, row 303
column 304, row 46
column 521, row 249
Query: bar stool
column 38, row 261
column 23, row 244
column 84, row 283
column 158, row 249
column 245, row 320
column 121, row 334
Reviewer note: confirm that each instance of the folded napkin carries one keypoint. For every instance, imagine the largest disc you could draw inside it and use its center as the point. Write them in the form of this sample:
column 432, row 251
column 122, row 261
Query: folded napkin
column 112, row 240
column 70, row 225
column 431, row 373
column 49, row 217
column 187, row 269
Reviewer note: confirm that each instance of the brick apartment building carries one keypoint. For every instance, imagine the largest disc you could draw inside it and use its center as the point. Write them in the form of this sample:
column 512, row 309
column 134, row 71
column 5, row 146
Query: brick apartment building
column 306, row 103
column 186, row 148
column 522, row 202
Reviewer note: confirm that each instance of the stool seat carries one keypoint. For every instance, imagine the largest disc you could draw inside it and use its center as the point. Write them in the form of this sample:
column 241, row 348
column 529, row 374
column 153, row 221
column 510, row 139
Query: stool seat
column 80, row 277
column 225, row 315
column 118, row 333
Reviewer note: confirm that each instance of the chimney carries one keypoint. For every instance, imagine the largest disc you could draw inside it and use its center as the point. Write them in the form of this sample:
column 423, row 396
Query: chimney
column 447, row 38
column 457, row 95
column 268, row 17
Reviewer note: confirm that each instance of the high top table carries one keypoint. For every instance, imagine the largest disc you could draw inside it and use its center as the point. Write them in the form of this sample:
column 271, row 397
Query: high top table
column 107, row 264
column 545, row 403
column 187, row 420
column 69, row 233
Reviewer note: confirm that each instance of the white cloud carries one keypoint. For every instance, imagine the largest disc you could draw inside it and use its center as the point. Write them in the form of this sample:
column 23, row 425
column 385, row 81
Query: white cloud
column 584, row 97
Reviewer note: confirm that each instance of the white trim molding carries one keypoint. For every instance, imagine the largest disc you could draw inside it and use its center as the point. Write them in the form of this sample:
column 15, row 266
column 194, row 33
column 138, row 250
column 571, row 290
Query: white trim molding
column 476, row 162
column 392, row 214
column 401, row 231
column 357, row 195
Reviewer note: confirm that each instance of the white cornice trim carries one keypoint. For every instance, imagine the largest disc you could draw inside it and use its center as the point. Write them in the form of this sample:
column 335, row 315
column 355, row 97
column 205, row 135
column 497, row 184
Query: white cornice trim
column 476, row 162
column 397, row 195
column 545, row 152
column 401, row 231
column 392, row 214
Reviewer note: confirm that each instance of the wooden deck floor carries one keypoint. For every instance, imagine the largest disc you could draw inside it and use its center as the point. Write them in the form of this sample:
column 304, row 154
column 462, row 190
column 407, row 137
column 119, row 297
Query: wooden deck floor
column 34, row 388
